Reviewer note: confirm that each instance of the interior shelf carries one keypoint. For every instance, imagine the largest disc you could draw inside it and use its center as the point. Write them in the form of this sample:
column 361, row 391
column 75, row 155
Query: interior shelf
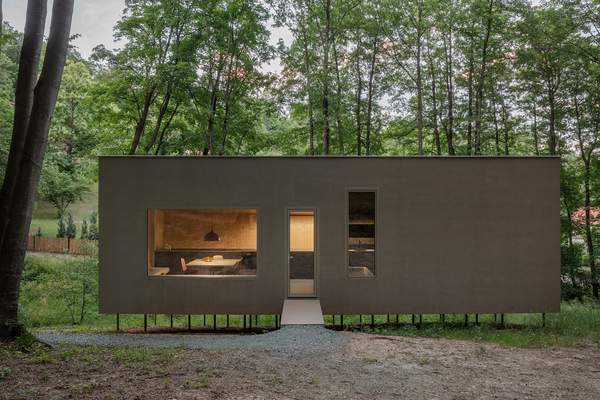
column 362, row 222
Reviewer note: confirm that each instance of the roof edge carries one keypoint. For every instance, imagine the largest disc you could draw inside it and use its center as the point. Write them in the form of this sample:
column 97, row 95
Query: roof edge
column 214, row 157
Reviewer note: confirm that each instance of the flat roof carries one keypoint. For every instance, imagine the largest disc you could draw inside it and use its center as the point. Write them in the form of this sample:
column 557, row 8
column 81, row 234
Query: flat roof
column 332, row 156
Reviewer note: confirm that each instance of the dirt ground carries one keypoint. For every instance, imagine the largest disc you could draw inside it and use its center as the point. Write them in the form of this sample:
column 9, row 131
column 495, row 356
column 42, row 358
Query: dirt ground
column 366, row 367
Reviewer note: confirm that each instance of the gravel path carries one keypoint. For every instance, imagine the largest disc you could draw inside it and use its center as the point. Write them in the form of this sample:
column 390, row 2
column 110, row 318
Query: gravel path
column 292, row 338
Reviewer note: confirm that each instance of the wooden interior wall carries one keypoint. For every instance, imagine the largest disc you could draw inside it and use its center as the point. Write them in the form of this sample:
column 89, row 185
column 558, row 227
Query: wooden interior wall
column 151, row 236
column 159, row 230
column 302, row 232
column 185, row 229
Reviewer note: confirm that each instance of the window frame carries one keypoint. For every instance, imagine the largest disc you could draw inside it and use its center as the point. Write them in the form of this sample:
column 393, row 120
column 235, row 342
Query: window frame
column 316, row 214
column 360, row 189
column 257, row 209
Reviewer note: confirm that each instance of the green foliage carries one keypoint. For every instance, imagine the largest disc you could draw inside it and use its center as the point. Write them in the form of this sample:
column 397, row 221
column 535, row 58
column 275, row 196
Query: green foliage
column 61, row 184
column 576, row 323
column 93, row 233
column 145, row 356
column 62, row 228
column 80, row 289
column 59, row 290
column 4, row 373
column 573, row 285
column 25, row 343
column 11, row 41
column 71, row 229
column 84, row 230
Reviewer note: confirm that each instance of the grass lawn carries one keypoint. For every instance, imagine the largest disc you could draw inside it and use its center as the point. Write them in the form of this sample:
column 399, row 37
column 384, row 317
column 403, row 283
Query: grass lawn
column 51, row 296
column 576, row 323
column 45, row 215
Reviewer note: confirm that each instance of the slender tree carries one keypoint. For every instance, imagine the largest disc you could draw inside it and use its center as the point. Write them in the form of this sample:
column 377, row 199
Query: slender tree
column 24, row 94
column 14, row 245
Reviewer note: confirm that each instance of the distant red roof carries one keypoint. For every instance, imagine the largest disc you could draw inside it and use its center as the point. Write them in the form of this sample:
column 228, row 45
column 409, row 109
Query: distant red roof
column 578, row 216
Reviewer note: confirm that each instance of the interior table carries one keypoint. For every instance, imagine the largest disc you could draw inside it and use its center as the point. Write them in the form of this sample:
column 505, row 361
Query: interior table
column 223, row 262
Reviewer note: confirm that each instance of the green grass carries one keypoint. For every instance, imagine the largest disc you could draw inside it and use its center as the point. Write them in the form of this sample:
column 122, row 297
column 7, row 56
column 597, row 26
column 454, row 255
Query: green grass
column 50, row 281
column 45, row 214
column 49, row 227
column 38, row 353
column 141, row 355
column 576, row 323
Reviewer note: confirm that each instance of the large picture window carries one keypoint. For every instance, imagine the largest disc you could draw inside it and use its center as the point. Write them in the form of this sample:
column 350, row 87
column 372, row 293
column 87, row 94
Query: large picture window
column 202, row 242
column 361, row 234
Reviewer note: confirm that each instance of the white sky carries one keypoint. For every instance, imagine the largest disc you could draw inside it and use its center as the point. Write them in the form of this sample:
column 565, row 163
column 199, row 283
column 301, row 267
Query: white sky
column 94, row 21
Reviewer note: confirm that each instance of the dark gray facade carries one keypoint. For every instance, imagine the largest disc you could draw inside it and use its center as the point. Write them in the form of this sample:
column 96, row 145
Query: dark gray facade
column 453, row 235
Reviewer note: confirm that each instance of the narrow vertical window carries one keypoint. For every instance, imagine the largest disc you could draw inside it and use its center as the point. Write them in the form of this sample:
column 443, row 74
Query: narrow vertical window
column 361, row 234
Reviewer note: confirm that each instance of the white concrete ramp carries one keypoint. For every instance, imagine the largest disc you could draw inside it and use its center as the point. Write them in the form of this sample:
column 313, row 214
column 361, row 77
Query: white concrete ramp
column 302, row 312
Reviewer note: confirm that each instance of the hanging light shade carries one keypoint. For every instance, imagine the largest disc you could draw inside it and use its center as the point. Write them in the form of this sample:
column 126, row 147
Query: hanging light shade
column 211, row 236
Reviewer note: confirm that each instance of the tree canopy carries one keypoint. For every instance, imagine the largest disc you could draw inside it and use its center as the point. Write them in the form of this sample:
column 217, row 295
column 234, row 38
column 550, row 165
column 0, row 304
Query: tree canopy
column 357, row 77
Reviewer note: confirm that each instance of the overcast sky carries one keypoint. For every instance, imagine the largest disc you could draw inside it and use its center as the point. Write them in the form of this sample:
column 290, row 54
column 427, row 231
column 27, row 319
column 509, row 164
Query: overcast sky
column 94, row 21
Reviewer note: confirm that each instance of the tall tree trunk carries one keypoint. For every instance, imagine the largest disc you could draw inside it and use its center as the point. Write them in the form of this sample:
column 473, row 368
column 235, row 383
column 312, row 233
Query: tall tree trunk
column 229, row 87
column 370, row 95
column 536, row 139
column 29, row 60
column 449, row 72
column 159, row 119
column 505, row 125
column 225, row 126
column 307, row 76
column 552, row 142
column 1, row 25
column 436, row 129
column 419, row 78
column 358, row 96
column 481, row 80
column 586, row 155
column 12, row 254
column 140, row 126
column 470, row 101
column 164, row 129
column 338, row 104
column 326, row 48
column 569, row 212
column 496, row 130
column 588, row 231
column 214, row 100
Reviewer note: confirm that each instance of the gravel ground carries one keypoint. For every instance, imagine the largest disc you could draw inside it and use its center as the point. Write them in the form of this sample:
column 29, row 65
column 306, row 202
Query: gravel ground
column 297, row 363
column 292, row 338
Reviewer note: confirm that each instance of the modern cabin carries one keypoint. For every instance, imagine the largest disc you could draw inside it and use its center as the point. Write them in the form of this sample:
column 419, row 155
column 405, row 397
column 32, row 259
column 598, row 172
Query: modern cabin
column 364, row 235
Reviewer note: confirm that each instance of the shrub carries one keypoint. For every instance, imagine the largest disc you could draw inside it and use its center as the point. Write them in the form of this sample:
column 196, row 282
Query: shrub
column 573, row 278
column 62, row 229
column 84, row 229
column 35, row 268
column 93, row 227
column 25, row 342
column 58, row 290
column 71, row 231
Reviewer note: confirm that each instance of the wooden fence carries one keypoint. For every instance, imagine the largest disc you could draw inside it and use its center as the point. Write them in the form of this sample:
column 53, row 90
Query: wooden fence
column 62, row 245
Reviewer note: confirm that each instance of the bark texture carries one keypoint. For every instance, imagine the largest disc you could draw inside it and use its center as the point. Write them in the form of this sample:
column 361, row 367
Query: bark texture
column 44, row 100
column 29, row 60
